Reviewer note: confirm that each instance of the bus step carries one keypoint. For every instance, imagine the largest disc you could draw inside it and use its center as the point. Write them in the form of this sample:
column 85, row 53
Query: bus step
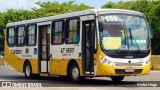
column 89, row 73
column 44, row 75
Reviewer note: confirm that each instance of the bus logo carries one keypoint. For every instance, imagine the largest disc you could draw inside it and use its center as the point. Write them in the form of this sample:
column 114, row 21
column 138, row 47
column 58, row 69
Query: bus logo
column 129, row 62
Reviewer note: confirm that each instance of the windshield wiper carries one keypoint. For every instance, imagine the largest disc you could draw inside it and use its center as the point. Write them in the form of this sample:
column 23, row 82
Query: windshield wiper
column 132, row 38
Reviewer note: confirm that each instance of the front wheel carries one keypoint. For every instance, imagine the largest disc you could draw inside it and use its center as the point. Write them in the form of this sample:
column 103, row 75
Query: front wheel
column 75, row 73
column 117, row 79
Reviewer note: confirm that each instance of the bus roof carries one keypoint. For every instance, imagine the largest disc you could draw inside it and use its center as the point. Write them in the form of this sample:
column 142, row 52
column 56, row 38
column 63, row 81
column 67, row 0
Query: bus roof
column 74, row 14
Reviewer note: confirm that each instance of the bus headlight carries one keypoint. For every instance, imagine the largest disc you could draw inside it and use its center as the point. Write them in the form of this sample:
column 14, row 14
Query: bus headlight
column 103, row 60
column 144, row 61
column 109, row 62
column 147, row 61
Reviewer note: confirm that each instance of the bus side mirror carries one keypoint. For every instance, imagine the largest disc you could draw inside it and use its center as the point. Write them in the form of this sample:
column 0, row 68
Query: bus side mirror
column 150, row 30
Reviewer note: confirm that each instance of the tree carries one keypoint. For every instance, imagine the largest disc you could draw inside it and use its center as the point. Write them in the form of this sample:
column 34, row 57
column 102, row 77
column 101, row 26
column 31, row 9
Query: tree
column 109, row 5
column 56, row 8
column 2, row 26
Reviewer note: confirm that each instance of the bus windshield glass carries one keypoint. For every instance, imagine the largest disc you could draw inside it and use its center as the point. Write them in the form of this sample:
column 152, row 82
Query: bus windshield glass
column 123, row 32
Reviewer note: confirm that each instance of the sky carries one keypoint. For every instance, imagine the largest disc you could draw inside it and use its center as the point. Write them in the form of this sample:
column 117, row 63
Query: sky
column 28, row 4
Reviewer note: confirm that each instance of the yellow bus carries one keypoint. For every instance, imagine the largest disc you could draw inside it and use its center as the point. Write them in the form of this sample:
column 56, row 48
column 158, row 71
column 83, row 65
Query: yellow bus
column 98, row 42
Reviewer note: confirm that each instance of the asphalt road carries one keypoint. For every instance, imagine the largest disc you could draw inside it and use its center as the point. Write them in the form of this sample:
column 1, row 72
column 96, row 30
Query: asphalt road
column 130, row 82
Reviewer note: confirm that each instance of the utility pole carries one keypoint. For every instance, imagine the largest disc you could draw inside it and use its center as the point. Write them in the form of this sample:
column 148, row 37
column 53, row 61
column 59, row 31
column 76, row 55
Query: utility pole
column 21, row 3
column 137, row 5
column 22, row 13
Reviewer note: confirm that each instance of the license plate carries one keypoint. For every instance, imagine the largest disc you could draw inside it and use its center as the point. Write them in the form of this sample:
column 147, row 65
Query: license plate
column 129, row 70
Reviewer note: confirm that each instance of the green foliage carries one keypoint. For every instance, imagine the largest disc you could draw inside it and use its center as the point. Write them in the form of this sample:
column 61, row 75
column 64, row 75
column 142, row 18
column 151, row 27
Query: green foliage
column 56, row 8
column 18, row 15
column 47, row 9
column 109, row 5
column 151, row 9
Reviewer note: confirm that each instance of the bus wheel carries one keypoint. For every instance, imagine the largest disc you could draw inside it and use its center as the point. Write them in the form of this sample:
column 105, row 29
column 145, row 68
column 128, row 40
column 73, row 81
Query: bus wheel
column 117, row 79
column 75, row 73
column 28, row 70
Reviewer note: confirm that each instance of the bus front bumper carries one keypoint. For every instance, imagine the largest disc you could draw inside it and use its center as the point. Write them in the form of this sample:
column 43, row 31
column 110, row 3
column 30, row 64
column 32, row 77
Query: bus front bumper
column 110, row 70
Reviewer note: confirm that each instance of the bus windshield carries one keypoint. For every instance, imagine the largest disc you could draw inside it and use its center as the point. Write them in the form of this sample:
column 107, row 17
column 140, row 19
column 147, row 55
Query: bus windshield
column 123, row 32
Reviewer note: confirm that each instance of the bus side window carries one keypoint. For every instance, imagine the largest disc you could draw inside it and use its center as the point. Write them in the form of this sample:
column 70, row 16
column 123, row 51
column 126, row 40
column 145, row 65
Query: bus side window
column 20, row 36
column 11, row 36
column 57, row 32
column 72, row 31
column 31, row 35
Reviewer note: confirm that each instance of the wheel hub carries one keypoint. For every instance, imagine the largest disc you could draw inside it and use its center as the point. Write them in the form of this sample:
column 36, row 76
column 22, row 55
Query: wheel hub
column 28, row 70
column 75, row 73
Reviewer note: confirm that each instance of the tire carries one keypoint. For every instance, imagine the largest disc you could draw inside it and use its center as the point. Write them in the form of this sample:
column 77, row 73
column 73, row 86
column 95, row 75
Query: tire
column 117, row 79
column 28, row 70
column 74, row 73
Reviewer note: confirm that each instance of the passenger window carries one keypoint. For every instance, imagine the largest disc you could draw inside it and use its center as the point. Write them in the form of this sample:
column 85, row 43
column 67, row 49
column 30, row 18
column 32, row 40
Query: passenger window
column 72, row 32
column 11, row 37
column 31, row 35
column 57, row 32
column 20, row 36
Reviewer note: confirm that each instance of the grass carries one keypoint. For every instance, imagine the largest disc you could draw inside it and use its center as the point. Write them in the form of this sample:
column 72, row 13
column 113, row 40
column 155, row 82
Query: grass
column 1, row 61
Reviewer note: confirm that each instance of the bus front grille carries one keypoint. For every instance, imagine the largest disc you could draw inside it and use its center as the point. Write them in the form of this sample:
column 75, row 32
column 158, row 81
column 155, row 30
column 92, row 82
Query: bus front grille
column 122, row 71
column 127, row 64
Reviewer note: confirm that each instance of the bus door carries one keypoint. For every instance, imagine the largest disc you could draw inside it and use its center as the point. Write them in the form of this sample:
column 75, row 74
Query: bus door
column 44, row 48
column 88, row 42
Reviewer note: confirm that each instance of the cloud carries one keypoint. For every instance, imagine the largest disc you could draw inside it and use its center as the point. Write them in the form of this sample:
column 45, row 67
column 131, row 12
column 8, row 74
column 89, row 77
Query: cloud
column 28, row 4
column 17, row 4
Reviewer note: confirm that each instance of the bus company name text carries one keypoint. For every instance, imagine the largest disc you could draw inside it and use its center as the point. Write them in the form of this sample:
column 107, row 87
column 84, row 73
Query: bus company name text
column 16, row 51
